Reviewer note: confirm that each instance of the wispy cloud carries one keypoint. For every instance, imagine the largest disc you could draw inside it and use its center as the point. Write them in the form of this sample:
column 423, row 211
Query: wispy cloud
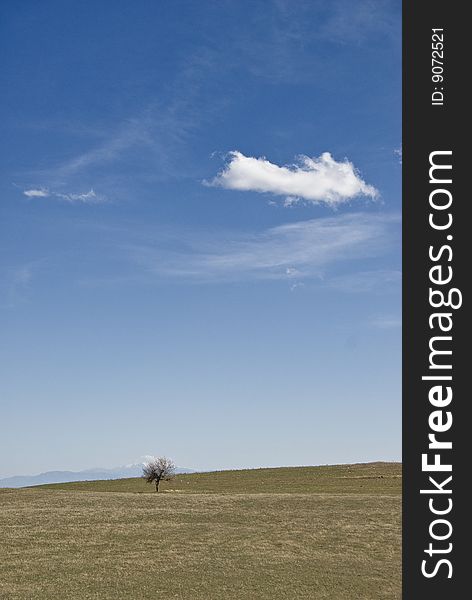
column 134, row 132
column 36, row 193
column 355, row 22
column 283, row 50
column 90, row 197
column 318, row 179
column 399, row 154
column 291, row 252
column 147, row 144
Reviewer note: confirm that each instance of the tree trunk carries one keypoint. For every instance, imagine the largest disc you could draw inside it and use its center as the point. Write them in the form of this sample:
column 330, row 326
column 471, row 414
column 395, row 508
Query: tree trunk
column 157, row 485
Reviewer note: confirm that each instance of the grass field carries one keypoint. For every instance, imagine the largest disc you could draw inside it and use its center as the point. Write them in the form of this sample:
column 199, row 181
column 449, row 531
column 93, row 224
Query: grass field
column 289, row 533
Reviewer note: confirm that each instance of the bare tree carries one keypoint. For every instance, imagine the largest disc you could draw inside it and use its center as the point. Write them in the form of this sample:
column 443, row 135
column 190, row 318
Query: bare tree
column 158, row 469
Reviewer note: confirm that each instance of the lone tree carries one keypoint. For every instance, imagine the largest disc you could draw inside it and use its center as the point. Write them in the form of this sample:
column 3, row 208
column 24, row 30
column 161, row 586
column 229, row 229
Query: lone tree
column 158, row 469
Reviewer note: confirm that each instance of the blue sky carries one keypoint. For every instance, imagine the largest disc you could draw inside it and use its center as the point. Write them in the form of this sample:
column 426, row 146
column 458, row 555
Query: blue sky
column 200, row 240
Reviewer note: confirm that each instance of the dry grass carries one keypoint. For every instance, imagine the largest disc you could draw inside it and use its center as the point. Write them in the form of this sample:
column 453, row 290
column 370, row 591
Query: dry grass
column 209, row 545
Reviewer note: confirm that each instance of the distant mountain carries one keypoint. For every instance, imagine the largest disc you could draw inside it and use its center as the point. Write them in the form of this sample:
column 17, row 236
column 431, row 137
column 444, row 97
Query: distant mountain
column 19, row 481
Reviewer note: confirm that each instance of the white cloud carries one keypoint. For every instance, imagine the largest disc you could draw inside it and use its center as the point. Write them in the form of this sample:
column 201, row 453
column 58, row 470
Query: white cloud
column 36, row 193
column 90, row 197
column 399, row 154
column 290, row 252
column 317, row 179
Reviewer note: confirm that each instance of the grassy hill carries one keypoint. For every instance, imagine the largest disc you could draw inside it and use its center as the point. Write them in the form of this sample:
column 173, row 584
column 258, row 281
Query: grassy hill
column 289, row 533
column 338, row 479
